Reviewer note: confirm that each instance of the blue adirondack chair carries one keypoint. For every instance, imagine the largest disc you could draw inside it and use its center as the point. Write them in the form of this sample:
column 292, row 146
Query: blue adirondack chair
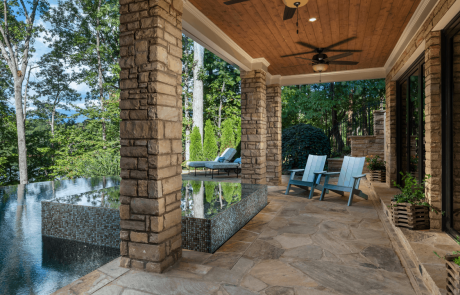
column 349, row 179
column 309, row 179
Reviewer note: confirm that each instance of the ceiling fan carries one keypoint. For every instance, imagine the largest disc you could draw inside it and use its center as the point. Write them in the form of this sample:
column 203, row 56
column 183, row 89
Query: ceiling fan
column 321, row 61
column 289, row 10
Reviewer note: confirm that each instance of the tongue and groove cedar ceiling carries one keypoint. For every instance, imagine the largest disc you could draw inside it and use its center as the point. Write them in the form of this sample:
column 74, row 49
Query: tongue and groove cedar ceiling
column 257, row 26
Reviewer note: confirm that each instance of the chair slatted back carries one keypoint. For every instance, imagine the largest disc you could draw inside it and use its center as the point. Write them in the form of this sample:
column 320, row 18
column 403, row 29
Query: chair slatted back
column 351, row 166
column 314, row 164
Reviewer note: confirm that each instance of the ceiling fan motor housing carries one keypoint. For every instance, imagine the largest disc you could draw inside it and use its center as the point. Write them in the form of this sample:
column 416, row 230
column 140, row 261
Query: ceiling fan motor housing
column 319, row 57
column 292, row 3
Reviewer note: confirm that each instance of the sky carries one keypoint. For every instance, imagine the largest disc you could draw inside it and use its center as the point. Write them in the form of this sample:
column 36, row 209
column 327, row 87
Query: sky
column 42, row 48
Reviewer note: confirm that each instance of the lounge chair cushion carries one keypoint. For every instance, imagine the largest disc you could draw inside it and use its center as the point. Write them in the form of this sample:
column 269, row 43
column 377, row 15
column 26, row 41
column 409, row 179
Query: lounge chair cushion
column 227, row 154
column 221, row 159
column 213, row 165
column 237, row 160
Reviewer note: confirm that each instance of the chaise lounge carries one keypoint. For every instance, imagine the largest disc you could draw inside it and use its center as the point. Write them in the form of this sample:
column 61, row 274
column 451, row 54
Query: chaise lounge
column 227, row 155
column 224, row 166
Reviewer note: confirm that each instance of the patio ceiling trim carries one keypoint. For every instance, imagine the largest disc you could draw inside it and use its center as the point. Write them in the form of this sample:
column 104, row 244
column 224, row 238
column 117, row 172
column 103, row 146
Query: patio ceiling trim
column 418, row 18
column 202, row 30
column 450, row 14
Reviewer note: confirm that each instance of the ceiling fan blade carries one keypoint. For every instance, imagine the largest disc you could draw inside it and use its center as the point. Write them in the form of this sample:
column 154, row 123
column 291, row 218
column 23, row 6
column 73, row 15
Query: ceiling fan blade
column 305, row 44
column 234, row 2
column 295, row 54
column 304, row 58
column 339, row 43
column 339, row 56
column 288, row 12
column 345, row 63
column 343, row 50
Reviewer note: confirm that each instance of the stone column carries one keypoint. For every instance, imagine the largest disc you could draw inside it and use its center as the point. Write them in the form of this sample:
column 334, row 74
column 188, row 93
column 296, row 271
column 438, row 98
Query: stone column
column 253, row 127
column 433, row 137
column 150, row 131
column 390, row 132
column 274, row 134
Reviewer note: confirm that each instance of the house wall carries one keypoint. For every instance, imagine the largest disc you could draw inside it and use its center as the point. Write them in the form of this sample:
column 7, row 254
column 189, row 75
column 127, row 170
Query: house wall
column 432, row 106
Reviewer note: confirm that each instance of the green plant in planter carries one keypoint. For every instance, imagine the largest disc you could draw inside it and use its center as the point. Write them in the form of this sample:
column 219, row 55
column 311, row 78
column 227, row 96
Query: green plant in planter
column 413, row 192
column 375, row 163
column 456, row 260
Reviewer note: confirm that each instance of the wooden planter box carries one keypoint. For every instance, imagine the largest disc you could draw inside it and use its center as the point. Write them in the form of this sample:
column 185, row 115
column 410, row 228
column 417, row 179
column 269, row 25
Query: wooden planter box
column 453, row 275
column 410, row 216
column 377, row 175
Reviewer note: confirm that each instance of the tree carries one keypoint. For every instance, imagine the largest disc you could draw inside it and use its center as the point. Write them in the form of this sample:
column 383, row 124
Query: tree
column 187, row 91
column 198, row 57
column 89, row 31
column 18, row 29
column 196, row 149
column 228, row 137
column 210, row 144
column 54, row 86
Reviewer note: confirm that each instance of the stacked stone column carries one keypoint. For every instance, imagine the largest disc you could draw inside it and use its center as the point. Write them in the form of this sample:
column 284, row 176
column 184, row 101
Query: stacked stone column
column 390, row 132
column 253, row 127
column 274, row 134
column 433, row 123
column 150, row 131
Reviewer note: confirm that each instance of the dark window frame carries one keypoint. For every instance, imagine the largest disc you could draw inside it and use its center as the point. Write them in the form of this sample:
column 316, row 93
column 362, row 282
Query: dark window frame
column 417, row 67
column 452, row 29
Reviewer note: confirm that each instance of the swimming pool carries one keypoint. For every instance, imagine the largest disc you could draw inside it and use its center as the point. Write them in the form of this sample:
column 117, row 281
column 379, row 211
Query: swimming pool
column 30, row 264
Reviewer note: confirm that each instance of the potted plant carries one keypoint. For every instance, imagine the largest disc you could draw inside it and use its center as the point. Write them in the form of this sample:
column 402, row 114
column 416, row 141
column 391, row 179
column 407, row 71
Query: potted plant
column 377, row 168
column 453, row 270
column 410, row 207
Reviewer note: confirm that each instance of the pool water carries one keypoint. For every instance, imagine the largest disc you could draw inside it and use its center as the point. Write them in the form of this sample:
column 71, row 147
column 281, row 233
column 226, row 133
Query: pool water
column 30, row 264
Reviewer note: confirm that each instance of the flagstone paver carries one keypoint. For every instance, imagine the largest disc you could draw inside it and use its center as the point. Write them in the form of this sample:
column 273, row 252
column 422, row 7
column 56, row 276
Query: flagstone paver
column 294, row 246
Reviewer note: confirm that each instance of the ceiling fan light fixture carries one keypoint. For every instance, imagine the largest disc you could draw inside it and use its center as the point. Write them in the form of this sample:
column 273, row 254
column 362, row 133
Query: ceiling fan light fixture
column 320, row 67
column 295, row 3
column 313, row 19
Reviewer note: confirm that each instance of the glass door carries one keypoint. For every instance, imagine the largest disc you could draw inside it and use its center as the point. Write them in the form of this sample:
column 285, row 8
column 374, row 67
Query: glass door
column 411, row 122
column 451, row 127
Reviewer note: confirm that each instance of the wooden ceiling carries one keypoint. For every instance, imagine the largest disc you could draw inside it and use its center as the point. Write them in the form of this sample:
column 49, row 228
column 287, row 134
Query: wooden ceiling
column 257, row 26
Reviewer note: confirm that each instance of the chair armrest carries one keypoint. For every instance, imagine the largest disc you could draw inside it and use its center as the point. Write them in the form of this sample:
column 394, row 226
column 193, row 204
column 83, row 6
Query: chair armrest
column 320, row 172
column 359, row 176
column 329, row 173
column 296, row 170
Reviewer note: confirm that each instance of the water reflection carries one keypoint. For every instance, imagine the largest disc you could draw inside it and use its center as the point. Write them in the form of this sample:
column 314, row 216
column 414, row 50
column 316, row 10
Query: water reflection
column 23, row 268
column 207, row 199
column 106, row 197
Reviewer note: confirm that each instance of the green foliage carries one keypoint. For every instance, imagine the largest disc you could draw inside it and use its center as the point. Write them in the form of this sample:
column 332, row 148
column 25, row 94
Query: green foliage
column 210, row 144
column 196, row 149
column 456, row 260
column 413, row 192
column 209, row 190
column 302, row 140
column 227, row 139
column 375, row 163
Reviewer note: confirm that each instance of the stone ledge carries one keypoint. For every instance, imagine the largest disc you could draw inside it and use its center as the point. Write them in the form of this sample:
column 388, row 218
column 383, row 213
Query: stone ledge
column 420, row 244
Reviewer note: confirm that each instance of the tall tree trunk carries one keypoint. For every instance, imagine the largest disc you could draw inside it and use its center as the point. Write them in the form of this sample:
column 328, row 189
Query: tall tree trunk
column 220, row 106
column 25, row 94
column 365, row 130
column 53, row 112
column 350, row 119
column 198, row 58
column 335, row 124
column 22, row 149
column 99, row 65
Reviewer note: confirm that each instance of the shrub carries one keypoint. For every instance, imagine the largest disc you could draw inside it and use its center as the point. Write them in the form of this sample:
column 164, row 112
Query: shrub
column 196, row 149
column 302, row 140
column 210, row 144
column 375, row 163
column 228, row 137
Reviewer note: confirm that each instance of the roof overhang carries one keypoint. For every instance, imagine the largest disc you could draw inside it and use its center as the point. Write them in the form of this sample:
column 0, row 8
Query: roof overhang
column 202, row 30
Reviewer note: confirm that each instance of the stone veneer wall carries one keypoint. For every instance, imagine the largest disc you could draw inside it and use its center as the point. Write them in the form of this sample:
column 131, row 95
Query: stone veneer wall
column 433, row 113
column 372, row 145
column 253, row 127
column 92, row 225
column 274, row 163
column 150, row 131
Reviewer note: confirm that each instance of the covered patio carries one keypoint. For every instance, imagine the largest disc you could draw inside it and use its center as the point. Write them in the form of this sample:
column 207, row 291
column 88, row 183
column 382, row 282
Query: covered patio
column 395, row 40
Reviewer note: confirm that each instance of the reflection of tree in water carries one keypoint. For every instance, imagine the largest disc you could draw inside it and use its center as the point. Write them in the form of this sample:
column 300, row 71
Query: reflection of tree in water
column 107, row 198
column 217, row 197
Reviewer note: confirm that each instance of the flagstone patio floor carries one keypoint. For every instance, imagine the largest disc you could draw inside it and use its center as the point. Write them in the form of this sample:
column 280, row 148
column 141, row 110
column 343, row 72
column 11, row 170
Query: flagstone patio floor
column 293, row 246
